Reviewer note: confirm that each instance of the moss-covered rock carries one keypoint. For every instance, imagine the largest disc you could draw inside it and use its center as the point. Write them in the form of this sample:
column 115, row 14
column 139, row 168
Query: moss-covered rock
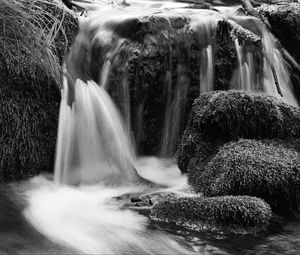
column 230, row 213
column 226, row 56
column 249, row 167
column 222, row 116
column 34, row 42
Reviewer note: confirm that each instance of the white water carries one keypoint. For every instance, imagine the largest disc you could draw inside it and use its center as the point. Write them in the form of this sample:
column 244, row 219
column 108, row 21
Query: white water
column 92, row 144
column 207, row 70
column 112, row 28
column 246, row 77
column 89, row 220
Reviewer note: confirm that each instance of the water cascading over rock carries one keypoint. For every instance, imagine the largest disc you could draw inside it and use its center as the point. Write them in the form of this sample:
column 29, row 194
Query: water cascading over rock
column 154, row 59
column 92, row 144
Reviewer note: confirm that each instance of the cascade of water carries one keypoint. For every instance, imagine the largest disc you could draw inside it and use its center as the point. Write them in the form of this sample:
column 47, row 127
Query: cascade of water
column 258, row 77
column 204, row 29
column 174, row 113
column 207, row 70
column 92, row 145
column 136, row 54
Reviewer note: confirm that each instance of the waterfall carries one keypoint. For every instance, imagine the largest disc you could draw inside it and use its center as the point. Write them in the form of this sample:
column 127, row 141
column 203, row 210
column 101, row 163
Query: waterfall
column 149, row 65
column 92, row 144
column 129, row 82
column 258, row 77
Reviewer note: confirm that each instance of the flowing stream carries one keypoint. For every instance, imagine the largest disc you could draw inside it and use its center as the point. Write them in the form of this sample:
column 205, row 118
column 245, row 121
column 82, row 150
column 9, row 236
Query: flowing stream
column 84, row 209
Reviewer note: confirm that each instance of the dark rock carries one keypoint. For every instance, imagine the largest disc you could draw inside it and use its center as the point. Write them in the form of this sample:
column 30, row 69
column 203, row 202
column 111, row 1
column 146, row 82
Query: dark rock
column 285, row 25
column 225, row 57
column 135, row 199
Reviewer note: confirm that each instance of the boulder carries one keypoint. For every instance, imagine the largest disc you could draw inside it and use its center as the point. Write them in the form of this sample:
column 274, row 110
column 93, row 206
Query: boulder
column 264, row 169
column 30, row 78
column 222, row 116
column 240, row 214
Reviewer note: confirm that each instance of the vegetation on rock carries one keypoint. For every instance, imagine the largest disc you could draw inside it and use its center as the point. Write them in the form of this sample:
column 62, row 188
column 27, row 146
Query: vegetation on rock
column 222, row 116
column 250, row 167
column 233, row 213
column 34, row 39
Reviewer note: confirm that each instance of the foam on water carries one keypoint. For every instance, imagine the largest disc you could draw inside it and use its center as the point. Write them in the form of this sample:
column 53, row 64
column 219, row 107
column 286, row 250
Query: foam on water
column 90, row 220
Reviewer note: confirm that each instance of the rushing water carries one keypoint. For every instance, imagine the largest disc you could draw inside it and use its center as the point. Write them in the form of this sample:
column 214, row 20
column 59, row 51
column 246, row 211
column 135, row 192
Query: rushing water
column 91, row 136
column 168, row 50
column 84, row 209
column 46, row 218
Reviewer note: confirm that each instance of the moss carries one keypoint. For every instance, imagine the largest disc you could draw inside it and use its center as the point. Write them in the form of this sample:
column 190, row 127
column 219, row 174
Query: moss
column 226, row 57
column 28, row 130
column 236, row 114
column 34, row 43
column 222, row 116
column 215, row 213
column 249, row 167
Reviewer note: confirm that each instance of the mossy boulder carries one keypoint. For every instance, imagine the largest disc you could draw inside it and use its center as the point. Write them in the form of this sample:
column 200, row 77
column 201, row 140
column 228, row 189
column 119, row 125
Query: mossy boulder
column 222, row 116
column 256, row 168
column 224, row 213
column 35, row 40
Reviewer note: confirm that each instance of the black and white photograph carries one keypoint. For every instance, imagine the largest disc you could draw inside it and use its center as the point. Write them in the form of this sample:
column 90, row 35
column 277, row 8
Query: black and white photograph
column 149, row 127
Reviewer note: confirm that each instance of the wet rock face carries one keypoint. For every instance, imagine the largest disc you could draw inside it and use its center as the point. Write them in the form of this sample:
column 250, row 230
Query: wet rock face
column 161, row 59
column 154, row 67
column 225, row 58
column 285, row 25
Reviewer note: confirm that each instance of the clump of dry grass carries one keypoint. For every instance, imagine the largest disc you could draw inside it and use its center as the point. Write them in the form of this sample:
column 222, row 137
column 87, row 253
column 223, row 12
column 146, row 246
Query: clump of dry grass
column 28, row 33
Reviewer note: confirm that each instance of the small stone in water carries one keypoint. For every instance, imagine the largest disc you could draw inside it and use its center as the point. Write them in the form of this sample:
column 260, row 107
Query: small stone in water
column 135, row 199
